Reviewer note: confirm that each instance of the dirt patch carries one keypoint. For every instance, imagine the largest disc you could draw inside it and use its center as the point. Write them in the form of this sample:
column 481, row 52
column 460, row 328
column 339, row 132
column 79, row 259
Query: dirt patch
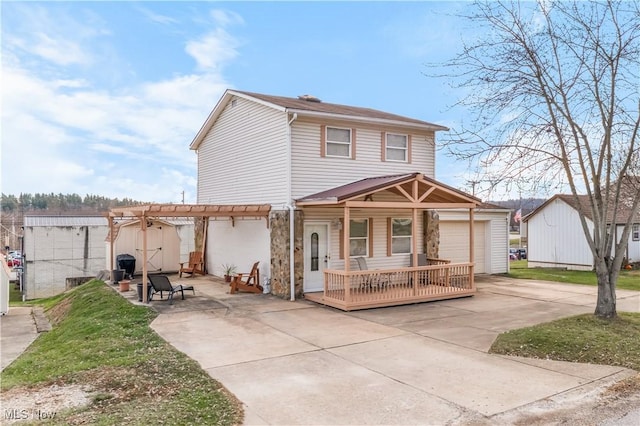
column 601, row 405
column 59, row 311
column 625, row 387
column 42, row 403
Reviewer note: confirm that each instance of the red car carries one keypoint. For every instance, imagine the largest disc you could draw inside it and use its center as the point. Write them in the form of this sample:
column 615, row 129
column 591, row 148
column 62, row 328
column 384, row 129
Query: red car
column 13, row 262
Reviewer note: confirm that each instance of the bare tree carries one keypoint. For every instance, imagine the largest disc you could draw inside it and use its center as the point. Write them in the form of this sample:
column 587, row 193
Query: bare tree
column 553, row 88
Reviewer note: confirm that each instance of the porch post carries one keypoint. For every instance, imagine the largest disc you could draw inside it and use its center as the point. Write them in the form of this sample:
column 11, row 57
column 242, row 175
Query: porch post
column 111, row 247
column 143, row 226
column 414, row 248
column 205, row 226
column 471, row 251
column 347, row 258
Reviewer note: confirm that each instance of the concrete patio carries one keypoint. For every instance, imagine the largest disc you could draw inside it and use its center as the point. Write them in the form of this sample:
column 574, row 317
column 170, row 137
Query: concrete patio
column 302, row 363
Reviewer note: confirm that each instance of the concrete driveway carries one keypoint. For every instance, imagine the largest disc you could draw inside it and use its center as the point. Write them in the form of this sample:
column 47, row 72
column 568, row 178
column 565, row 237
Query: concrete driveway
column 300, row 363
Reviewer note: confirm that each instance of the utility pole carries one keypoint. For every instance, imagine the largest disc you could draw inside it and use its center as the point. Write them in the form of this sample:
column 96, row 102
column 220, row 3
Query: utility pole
column 473, row 186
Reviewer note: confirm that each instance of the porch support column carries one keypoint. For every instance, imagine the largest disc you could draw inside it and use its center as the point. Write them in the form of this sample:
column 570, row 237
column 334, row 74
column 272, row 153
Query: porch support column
column 414, row 248
column 111, row 249
column 346, row 251
column 471, row 251
column 143, row 227
column 205, row 230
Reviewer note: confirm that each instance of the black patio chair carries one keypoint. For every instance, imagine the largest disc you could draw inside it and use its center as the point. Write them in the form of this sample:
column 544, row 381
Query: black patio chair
column 160, row 284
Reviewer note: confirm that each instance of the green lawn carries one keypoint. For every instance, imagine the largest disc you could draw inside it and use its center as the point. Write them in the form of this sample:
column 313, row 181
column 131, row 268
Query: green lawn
column 628, row 280
column 582, row 338
column 101, row 340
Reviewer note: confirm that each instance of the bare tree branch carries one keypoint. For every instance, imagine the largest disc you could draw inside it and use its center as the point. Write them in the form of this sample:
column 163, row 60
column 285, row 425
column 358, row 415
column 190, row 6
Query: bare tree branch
column 554, row 89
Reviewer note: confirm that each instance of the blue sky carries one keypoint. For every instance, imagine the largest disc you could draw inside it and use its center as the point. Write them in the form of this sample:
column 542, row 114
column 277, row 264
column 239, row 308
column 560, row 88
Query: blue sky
column 105, row 97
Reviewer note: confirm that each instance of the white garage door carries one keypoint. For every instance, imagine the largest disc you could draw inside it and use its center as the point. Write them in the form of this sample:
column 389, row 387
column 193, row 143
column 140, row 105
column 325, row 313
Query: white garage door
column 454, row 243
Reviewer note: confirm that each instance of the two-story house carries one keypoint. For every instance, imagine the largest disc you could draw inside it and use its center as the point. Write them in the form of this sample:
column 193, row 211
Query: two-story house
column 343, row 182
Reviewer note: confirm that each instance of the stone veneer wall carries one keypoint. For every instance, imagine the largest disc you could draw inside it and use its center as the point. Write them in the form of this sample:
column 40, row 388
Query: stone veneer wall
column 279, row 226
column 431, row 233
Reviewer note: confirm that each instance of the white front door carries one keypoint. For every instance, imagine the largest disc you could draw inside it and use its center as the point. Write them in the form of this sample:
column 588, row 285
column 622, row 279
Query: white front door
column 316, row 255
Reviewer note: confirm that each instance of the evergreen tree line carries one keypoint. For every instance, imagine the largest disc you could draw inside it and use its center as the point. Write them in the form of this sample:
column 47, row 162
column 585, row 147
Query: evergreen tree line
column 61, row 202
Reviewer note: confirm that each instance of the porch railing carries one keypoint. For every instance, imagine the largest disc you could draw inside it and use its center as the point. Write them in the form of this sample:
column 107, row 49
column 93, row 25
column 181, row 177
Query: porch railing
column 388, row 287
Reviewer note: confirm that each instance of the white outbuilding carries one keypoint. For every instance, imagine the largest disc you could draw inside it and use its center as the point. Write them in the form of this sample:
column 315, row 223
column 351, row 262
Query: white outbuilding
column 556, row 239
column 60, row 251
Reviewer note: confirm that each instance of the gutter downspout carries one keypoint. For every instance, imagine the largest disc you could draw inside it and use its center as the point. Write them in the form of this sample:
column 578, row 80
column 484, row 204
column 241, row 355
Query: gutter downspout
column 291, row 207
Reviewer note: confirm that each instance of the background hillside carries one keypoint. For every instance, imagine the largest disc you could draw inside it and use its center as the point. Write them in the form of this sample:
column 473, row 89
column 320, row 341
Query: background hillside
column 14, row 208
column 526, row 204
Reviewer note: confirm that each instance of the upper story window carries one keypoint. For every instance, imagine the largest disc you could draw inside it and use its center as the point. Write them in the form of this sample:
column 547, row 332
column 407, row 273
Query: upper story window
column 400, row 236
column 359, row 237
column 397, row 147
column 338, row 142
column 635, row 232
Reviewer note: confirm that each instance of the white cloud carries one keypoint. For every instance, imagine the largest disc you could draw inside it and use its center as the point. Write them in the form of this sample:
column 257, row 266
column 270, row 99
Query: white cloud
column 156, row 17
column 62, row 132
column 213, row 50
column 225, row 18
column 59, row 51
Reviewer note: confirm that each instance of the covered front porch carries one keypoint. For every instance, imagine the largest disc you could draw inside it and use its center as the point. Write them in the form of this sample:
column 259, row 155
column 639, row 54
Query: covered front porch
column 404, row 272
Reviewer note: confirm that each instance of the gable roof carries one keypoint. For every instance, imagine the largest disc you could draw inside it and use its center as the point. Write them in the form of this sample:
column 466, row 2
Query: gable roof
column 430, row 191
column 64, row 221
column 582, row 205
column 309, row 106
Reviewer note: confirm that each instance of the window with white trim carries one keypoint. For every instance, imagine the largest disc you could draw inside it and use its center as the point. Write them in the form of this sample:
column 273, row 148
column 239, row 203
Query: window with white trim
column 400, row 236
column 635, row 232
column 359, row 237
column 397, row 147
column 338, row 142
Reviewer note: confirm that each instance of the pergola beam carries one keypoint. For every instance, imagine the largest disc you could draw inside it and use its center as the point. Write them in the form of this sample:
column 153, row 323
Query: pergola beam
column 157, row 211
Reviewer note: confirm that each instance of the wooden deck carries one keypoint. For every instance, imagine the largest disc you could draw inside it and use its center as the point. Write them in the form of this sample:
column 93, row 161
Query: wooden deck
column 377, row 288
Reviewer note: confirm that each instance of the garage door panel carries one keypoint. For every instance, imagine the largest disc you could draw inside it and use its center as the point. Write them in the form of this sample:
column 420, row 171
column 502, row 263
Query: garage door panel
column 454, row 243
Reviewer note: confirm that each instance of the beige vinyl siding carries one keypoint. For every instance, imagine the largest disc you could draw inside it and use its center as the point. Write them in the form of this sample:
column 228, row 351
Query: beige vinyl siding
column 494, row 237
column 454, row 243
column 379, row 260
column 244, row 157
column 313, row 173
column 498, row 233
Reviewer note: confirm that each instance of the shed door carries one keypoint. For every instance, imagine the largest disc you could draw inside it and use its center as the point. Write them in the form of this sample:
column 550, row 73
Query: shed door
column 454, row 243
column 154, row 250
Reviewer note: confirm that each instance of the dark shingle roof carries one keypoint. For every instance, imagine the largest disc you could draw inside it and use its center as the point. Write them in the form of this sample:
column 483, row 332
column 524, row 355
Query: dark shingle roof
column 582, row 204
column 328, row 108
column 304, row 106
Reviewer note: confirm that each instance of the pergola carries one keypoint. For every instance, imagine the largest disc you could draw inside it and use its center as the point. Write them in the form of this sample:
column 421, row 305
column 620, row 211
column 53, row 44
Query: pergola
column 159, row 211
